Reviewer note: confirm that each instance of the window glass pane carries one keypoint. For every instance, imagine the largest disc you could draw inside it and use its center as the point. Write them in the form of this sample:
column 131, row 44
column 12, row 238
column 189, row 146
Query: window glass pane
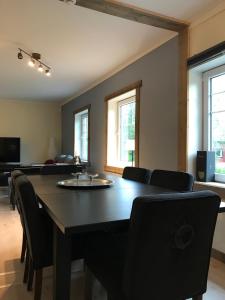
column 84, row 137
column 218, row 140
column 218, row 102
column 81, row 135
column 127, row 133
column 121, row 112
column 218, row 84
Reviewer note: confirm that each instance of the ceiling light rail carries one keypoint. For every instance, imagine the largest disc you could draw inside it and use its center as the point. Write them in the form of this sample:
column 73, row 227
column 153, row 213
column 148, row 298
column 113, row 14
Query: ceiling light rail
column 35, row 61
column 69, row 1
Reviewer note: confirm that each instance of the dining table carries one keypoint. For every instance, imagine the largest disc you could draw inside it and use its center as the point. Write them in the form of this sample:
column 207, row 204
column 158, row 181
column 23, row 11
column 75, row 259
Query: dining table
column 75, row 210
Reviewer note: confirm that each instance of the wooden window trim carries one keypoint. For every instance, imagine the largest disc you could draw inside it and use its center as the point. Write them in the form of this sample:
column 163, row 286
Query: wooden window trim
column 88, row 108
column 134, row 86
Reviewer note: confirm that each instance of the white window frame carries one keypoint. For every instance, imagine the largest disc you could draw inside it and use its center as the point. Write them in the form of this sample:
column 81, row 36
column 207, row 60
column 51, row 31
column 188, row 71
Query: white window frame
column 207, row 111
column 83, row 116
column 121, row 103
column 111, row 115
column 83, row 111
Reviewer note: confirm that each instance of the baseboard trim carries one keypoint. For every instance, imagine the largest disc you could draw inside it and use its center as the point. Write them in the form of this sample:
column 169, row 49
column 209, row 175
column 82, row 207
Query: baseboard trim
column 218, row 255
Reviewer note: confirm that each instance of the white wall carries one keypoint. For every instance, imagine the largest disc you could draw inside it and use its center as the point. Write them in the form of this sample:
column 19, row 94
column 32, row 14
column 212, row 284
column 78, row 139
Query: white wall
column 208, row 32
column 219, row 239
column 205, row 34
column 35, row 123
column 158, row 71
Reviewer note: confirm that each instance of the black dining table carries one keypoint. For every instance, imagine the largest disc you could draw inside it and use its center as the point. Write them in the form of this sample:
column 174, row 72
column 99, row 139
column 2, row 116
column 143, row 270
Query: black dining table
column 76, row 211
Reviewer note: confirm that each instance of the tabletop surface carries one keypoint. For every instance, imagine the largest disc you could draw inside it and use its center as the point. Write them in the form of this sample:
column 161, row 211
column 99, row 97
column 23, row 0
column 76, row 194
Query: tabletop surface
column 86, row 210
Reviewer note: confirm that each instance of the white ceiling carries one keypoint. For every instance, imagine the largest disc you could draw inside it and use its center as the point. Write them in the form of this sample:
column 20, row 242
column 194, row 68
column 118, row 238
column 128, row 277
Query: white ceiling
column 180, row 9
column 82, row 46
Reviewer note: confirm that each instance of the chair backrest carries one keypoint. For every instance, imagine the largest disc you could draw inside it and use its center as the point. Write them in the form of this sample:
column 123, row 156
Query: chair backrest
column 34, row 219
column 136, row 174
column 170, row 240
column 14, row 175
column 13, row 194
column 175, row 180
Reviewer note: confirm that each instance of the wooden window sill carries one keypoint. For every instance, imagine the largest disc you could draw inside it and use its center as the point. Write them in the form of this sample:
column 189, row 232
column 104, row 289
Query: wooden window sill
column 112, row 169
column 214, row 186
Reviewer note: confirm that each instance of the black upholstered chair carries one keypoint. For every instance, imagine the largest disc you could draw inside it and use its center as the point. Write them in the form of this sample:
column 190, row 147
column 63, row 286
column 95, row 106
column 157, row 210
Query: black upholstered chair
column 174, row 180
column 38, row 227
column 13, row 196
column 167, row 253
column 14, row 202
column 136, row 174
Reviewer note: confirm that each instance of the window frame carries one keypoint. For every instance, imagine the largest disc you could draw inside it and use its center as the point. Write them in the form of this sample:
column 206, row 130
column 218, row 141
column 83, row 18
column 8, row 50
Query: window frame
column 119, row 105
column 79, row 110
column 134, row 86
column 207, row 111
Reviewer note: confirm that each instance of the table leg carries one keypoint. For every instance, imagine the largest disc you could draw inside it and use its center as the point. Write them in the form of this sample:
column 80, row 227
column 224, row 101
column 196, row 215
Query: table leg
column 61, row 265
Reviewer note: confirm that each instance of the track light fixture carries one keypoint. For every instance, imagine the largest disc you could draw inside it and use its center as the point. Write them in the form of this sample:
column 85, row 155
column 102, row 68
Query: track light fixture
column 69, row 1
column 47, row 72
column 20, row 55
column 40, row 68
column 34, row 60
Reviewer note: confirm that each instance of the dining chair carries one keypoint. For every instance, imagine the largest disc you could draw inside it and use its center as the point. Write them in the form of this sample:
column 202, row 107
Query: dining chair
column 13, row 196
column 166, row 254
column 137, row 174
column 39, row 233
column 14, row 202
column 174, row 180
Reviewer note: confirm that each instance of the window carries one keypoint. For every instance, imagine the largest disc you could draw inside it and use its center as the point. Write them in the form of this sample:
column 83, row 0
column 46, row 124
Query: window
column 122, row 109
column 81, row 133
column 214, row 122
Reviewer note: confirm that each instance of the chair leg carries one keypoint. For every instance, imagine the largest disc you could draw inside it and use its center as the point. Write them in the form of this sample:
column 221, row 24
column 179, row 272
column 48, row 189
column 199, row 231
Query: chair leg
column 89, row 278
column 200, row 297
column 13, row 203
column 24, row 246
column 38, row 284
column 26, row 269
column 30, row 275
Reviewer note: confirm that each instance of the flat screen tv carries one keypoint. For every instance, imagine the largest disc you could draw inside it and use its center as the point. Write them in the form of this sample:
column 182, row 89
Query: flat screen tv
column 9, row 149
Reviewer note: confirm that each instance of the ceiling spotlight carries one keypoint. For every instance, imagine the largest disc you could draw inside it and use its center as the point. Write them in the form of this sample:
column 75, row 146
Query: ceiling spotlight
column 40, row 68
column 20, row 55
column 31, row 62
column 47, row 72
column 35, row 59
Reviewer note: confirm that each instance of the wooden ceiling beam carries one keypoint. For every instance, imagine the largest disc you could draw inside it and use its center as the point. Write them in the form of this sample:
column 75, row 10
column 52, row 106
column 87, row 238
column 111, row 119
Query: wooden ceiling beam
column 132, row 13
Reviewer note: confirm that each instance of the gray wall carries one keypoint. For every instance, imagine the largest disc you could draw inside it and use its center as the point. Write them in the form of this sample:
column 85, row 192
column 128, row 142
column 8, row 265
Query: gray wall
column 158, row 71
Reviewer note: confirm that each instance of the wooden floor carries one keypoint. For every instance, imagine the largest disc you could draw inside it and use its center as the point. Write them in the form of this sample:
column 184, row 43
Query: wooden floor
column 11, row 270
